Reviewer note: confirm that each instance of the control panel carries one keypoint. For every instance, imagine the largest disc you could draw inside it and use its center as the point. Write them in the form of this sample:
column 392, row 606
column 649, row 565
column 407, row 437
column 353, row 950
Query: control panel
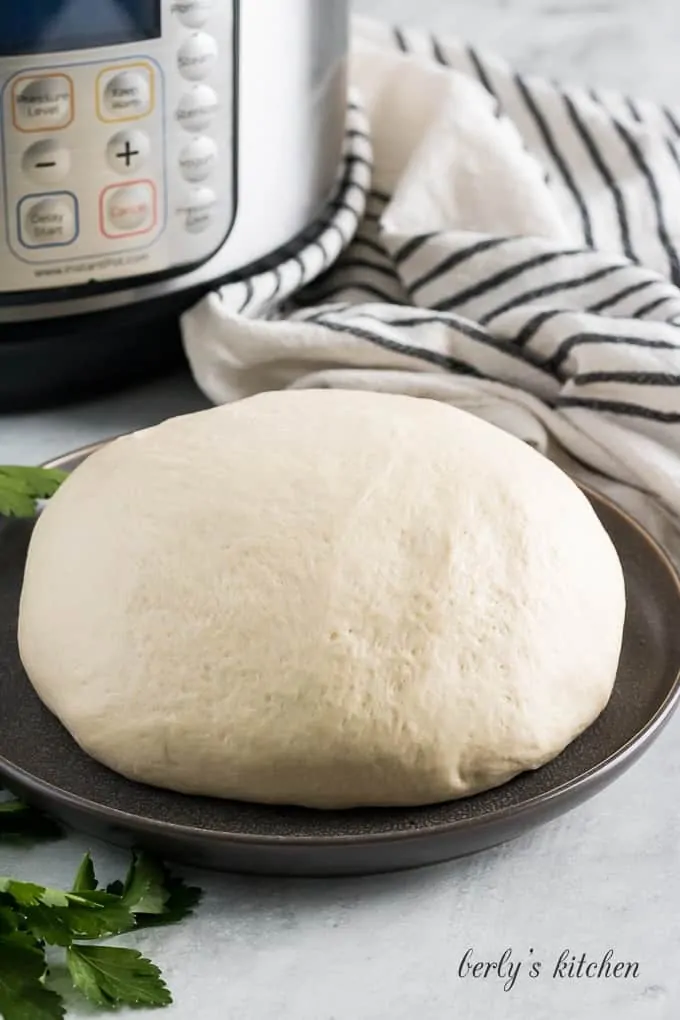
column 117, row 147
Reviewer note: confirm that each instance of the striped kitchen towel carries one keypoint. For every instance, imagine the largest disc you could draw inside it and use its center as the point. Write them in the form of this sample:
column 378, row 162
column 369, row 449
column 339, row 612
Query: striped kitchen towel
column 518, row 255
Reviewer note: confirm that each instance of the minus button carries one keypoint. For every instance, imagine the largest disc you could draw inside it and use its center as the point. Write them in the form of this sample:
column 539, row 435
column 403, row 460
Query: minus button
column 46, row 162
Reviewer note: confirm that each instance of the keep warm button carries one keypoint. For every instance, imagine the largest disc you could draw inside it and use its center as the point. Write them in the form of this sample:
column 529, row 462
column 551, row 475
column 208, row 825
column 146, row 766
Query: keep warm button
column 125, row 93
column 129, row 209
column 48, row 221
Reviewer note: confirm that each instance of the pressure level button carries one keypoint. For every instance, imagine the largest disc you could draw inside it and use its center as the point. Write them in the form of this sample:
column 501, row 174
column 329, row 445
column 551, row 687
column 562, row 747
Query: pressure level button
column 42, row 103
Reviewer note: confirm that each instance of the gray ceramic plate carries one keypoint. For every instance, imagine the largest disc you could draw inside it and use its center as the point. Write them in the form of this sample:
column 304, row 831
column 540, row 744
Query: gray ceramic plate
column 40, row 761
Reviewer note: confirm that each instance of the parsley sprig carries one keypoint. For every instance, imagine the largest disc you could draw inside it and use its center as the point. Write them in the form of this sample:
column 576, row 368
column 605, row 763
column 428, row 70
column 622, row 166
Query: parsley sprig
column 34, row 917
column 21, row 488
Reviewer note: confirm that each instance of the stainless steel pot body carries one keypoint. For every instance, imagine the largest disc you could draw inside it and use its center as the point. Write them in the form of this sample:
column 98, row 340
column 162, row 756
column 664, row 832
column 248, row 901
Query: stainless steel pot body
column 205, row 137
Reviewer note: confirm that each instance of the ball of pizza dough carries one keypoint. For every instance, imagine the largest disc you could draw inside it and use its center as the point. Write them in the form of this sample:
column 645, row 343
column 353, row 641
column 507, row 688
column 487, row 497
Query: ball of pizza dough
column 322, row 598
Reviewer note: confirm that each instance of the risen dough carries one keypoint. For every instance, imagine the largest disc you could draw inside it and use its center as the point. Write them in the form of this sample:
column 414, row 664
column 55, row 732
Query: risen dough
column 323, row 598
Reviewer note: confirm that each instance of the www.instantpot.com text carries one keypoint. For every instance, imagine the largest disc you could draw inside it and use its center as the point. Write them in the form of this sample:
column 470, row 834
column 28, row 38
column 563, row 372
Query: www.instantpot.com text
column 96, row 266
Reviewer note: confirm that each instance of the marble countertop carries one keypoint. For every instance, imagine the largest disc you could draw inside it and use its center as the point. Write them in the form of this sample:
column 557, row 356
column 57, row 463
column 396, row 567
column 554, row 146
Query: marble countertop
column 623, row 44
column 605, row 877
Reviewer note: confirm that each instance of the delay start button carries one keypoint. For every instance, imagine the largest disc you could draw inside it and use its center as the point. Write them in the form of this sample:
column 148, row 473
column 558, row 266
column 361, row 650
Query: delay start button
column 48, row 221
column 128, row 209
column 42, row 103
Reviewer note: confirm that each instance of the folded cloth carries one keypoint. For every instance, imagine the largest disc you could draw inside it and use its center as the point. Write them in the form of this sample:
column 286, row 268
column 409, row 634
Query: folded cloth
column 519, row 257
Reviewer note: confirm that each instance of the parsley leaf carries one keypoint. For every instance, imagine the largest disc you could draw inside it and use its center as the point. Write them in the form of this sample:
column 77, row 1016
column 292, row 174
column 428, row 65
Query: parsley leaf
column 180, row 904
column 85, row 880
column 111, row 976
column 155, row 897
column 12, row 807
column 23, row 893
column 144, row 891
column 22, row 487
column 15, row 504
column 37, row 482
column 59, row 926
column 18, row 821
column 9, row 921
column 59, row 917
column 23, row 995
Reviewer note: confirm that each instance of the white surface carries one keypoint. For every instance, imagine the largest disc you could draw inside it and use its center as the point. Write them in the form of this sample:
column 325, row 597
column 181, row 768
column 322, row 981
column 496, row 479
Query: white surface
column 388, row 948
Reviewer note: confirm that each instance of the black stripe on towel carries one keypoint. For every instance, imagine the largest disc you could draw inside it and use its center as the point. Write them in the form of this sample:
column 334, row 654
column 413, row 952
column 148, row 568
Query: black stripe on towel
column 614, row 299
column 632, row 109
column 504, row 276
column 331, row 294
column 277, row 283
column 546, row 134
column 651, row 306
column 333, row 228
column 368, row 242
column 620, row 407
column 636, row 378
column 336, row 251
column 441, row 360
column 357, row 160
column 533, row 325
column 605, row 173
column 354, row 262
column 381, row 196
column 671, row 118
column 438, row 52
column 567, row 346
column 400, row 39
column 482, row 74
column 549, row 289
column 356, row 133
column 411, row 246
column 637, row 157
column 472, row 332
column 339, row 206
column 456, row 259
column 670, row 145
column 248, row 285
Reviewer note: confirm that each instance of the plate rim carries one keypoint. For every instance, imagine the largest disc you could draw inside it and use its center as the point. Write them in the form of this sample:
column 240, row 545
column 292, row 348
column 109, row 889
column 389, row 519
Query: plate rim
column 604, row 770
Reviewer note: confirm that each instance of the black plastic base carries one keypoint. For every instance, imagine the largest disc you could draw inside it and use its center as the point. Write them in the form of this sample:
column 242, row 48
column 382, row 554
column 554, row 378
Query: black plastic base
column 58, row 361
column 49, row 362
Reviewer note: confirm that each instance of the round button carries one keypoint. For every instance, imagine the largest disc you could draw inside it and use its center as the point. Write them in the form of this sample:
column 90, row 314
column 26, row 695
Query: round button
column 197, row 56
column 129, row 208
column 197, row 108
column 127, row 151
column 197, row 160
column 43, row 104
column 199, row 210
column 46, row 162
column 193, row 13
column 127, row 94
column 50, row 221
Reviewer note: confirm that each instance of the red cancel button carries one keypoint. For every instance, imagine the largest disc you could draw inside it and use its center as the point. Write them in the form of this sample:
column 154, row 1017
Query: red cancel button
column 127, row 209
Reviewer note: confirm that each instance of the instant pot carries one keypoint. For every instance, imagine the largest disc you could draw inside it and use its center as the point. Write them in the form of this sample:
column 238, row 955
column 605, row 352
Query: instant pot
column 151, row 150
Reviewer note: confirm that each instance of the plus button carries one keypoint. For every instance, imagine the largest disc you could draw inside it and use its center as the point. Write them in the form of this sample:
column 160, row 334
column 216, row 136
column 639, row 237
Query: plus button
column 127, row 154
